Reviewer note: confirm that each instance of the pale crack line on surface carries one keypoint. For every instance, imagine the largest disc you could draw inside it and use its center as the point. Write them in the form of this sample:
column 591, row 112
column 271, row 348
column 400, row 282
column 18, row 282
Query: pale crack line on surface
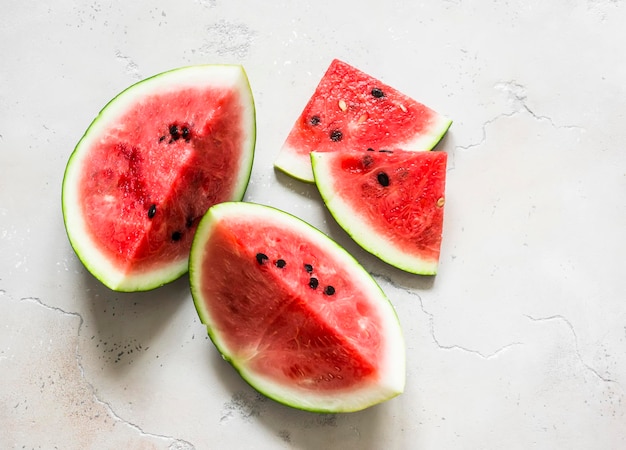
column 483, row 138
column 551, row 121
column 576, row 347
column 132, row 68
column 431, row 323
column 178, row 444
column 431, row 326
column 516, row 94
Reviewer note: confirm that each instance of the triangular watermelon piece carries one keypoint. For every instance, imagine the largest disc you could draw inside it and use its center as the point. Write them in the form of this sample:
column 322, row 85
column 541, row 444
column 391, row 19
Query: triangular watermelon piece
column 390, row 202
column 351, row 109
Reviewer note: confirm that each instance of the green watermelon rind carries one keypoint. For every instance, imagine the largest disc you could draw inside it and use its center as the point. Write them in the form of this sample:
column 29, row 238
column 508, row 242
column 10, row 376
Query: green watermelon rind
column 395, row 363
column 348, row 218
column 84, row 247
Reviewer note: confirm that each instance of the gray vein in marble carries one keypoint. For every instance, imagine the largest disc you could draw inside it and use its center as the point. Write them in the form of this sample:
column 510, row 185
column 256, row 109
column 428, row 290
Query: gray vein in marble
column 207, row 3
column 483, row 138
column 431, row 324
column 228, row 38
column 560, row 318
column 516, row 96
column 131, row 67
column 177, row 444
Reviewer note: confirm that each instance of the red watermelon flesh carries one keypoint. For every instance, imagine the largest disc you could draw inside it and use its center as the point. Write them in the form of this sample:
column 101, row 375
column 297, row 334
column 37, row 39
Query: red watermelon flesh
column 177, row 178
column 390, row 202
column 304, row 326
column 351, row 109
column 149, row 167
column 306, row 340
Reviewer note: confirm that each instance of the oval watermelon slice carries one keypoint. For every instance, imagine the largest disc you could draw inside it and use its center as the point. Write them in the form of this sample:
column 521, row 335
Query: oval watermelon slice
column 390, row 202
column 293, row 312
column 350, row 110
column 149, row 166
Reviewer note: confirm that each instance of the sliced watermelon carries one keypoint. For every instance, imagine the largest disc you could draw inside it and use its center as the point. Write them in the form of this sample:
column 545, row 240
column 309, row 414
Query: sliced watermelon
column 390, row 202
column 150, row 165
column 350, row 109
column 293, row 312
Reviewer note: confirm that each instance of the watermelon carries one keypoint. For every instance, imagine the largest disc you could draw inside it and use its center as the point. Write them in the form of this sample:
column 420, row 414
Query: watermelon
column 350, row 109
column 149, row 166
column 390, row 202
column 293, row 312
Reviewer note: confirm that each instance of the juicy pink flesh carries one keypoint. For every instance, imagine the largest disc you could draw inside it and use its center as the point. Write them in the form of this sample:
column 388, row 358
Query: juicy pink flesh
column 275, row 323
column 140, row 163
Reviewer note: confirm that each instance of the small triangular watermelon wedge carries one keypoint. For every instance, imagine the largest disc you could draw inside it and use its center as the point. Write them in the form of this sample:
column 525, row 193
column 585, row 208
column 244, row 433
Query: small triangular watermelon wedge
column 390, row 202
column 351, row 109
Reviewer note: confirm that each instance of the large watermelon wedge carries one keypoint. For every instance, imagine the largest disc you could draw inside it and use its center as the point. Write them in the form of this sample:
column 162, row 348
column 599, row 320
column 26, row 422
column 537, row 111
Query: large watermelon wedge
column 149, row 166
column 293, row 312
column 351, row 109
column 390, row 202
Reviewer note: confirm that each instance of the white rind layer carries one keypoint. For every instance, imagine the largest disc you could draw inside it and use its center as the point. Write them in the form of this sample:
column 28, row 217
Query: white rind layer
column 232, row 77
column 391, row 380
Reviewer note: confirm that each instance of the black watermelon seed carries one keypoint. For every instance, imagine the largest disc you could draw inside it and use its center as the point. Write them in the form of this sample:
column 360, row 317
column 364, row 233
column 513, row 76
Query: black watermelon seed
column 313, row 283
column 151, row 211
column 281, row 263
column 385, row 151
column 377, row 93
column 174, row 132
column 261, row 258
column 186, row 135
column 162, row 138
column 383, row 179
column 308, row 268
column 176, row 235
column 315, row 120
column 336, row 135
column 370, row 149
column 329, row 290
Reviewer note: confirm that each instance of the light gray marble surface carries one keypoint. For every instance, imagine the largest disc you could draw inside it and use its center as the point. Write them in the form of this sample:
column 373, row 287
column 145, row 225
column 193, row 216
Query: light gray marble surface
column 518, row 343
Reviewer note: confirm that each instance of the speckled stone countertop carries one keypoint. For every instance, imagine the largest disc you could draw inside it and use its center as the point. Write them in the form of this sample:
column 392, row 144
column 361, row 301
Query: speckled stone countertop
column 519, row 342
